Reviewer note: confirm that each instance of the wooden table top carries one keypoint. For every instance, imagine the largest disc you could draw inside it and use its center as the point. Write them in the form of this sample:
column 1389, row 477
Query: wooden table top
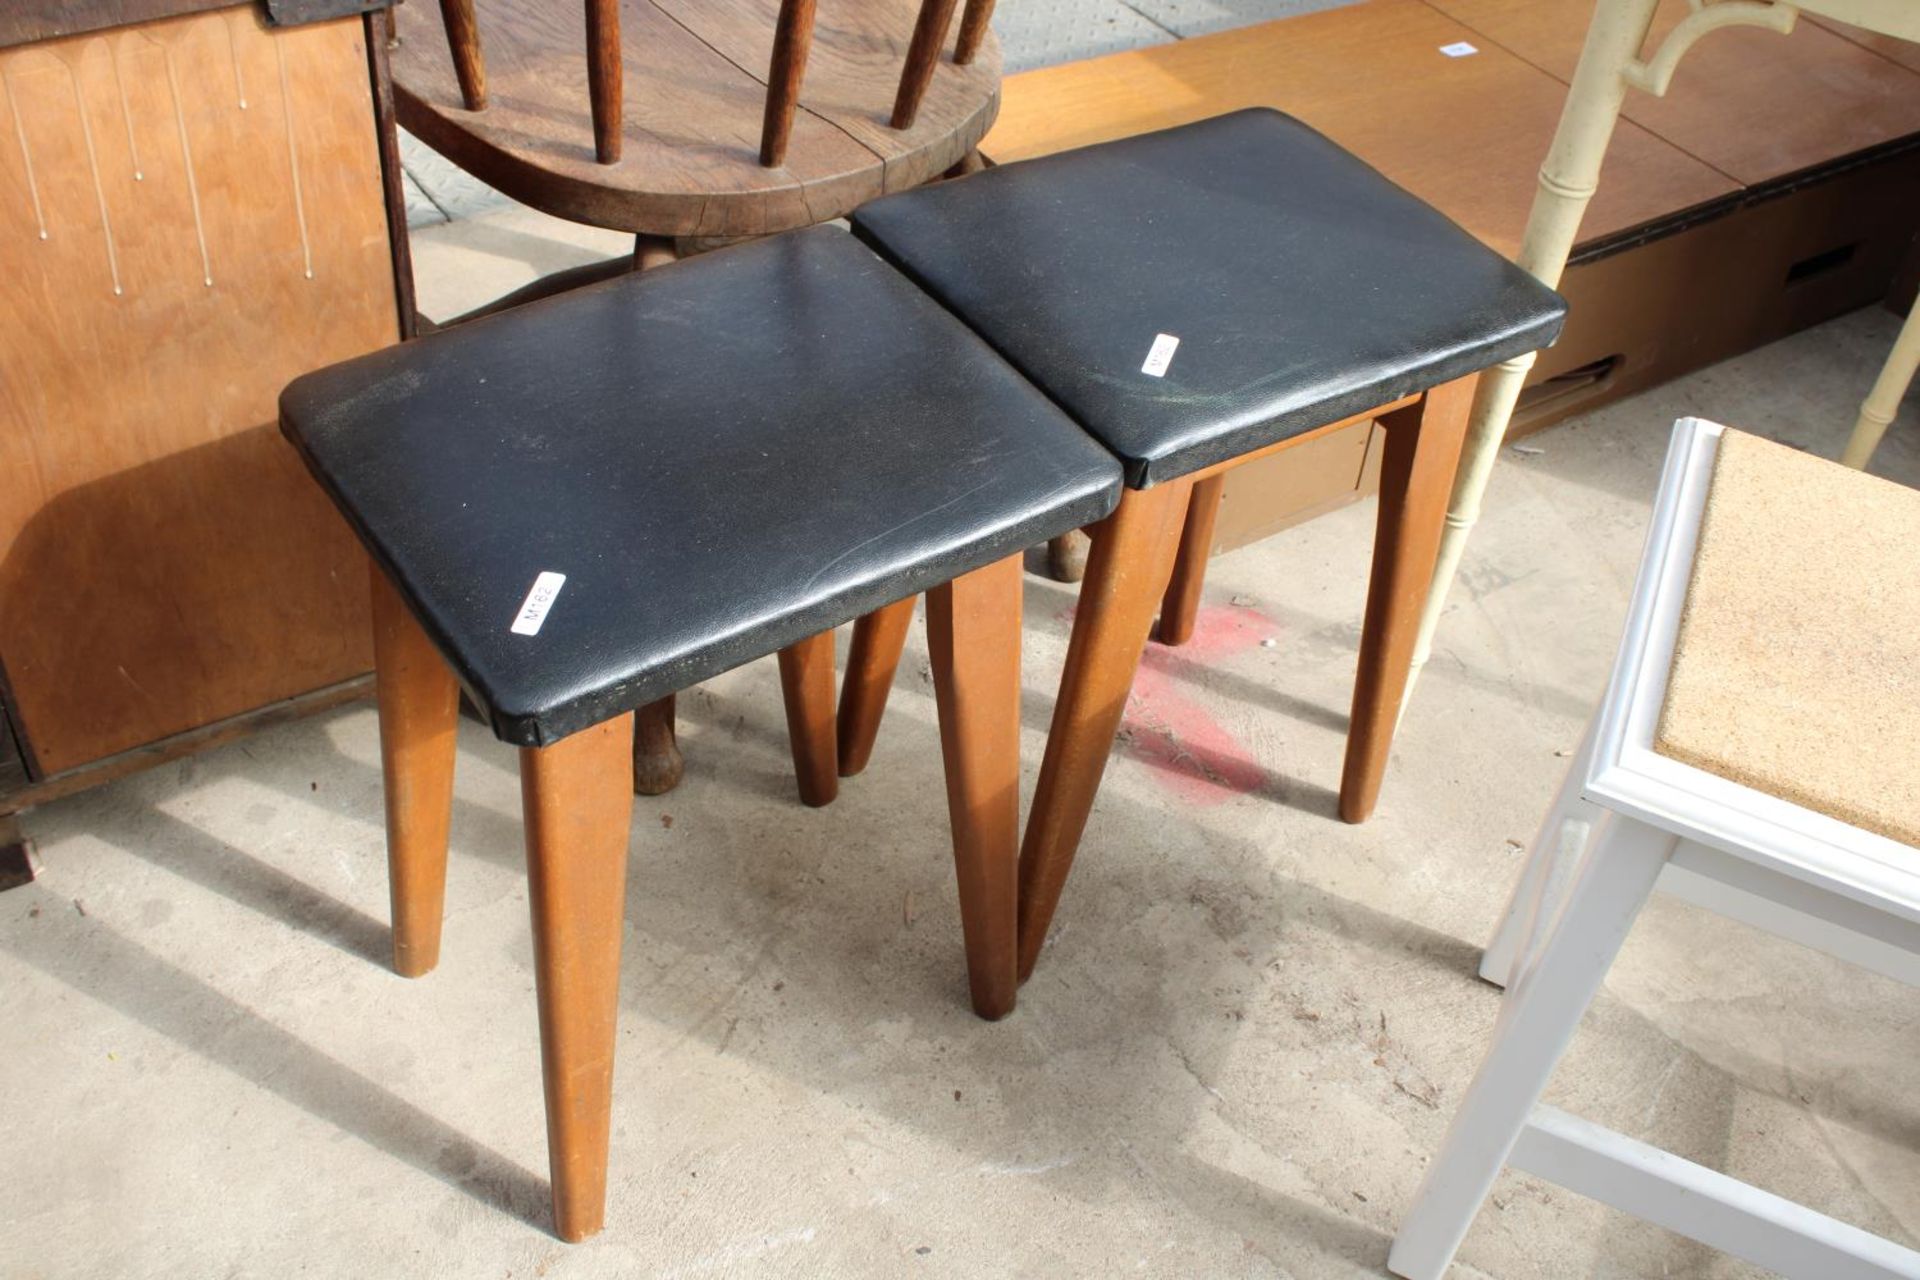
column 1796, row 669
column 695, row 73
column 1373, row 78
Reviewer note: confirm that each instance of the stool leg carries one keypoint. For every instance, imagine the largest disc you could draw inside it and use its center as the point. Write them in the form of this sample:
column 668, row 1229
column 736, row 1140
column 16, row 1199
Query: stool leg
column 973, row 637
column 1537, row 1021
column 419, row 718
column 1127, row 570
column 1067, row 556
column 578, row 815
column 806, row 682
column 657, row 763
column 1883, row 402
column 878, row 639
column 1416, row 472
column 1182, row 601
column 1497, row 961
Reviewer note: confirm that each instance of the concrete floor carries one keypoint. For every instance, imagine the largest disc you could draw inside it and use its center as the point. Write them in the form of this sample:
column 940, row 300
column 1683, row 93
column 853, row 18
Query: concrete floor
column 1249, row 1032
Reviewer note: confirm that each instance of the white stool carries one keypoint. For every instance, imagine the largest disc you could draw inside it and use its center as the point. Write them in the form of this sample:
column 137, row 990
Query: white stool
column 1758, row 647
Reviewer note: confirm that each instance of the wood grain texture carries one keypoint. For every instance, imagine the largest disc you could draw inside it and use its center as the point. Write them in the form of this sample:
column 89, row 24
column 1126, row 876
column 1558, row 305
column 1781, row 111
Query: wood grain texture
column 806, row 686
column 606, row 100
column 165, row 562
column 28, row 21
column 1904, row 52
column 792, row 39
column 1127, row 571
column 696, row 107
column 419, row 733
column 874, row 656
column 1362, row 75
column 463, row 46
column 973, row 640
column 923, row 56
column 1416, row 478
column 1754, row 104
column 975, row 22
column 579, row 816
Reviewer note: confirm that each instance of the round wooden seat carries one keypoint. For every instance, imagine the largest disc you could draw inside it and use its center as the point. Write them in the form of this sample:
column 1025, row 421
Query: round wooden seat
column 696, row 92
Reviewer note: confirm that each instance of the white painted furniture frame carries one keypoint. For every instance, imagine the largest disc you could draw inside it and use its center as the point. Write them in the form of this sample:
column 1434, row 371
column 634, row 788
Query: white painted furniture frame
column 1611, row 64
column 1626, row 821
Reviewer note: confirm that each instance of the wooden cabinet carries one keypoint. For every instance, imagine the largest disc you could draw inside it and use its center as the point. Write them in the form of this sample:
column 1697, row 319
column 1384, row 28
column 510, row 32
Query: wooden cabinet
column 193, row 210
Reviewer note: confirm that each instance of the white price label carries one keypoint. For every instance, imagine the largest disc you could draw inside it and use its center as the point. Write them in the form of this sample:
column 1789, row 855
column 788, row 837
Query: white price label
column 1160, row 355
column 533, row 612
column 1458, row 49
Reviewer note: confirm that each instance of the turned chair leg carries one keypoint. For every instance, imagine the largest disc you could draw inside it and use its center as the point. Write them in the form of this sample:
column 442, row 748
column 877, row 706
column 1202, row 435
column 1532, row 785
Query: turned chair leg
column 1067, row 555
column 1416, row 476
column 1181, row 604
column 578, row 818
column 806, row 683
column 1132, row 555
column 974, row 21
column 923, row 55
column 657, row 763
column 973, row 637
column 1889, row 389
column 419, row 705
column 878, row 639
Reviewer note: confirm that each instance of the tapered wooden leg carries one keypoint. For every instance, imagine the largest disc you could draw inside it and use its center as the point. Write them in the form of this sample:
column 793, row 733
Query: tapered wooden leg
column 419, row 715
column 463, row 42
column 1416, row 475
column 973, row 637
column 1181, row 604
column 1132, row 556
column 877, row 641
column 792, row 39
column 605, row 75
column 923, row 55
column 657, row 764
column 1067, row 556
column 974, row 20
column 578, row 816
column 806, row 681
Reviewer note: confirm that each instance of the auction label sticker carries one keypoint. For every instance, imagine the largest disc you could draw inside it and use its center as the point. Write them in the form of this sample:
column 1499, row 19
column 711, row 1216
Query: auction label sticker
column 1160, row 355
column 533, row 612
column 1458, row 49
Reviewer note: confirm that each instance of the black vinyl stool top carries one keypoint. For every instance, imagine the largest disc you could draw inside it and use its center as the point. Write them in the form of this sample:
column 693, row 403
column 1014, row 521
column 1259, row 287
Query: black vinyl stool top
column 722, row 457
column 1301, row 286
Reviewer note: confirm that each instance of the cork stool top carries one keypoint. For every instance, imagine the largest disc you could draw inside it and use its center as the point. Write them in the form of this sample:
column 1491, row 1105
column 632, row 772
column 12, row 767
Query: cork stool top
column 1796, row 667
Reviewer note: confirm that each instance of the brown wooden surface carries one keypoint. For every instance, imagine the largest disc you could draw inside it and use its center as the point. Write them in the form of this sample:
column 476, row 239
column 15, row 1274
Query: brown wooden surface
column 1182, row 601
column 1753, row 104
column 871, row 662
column 1904, row 52
column 419, row 732
column 923, row 55
column 657, row 763
column 26, row 21
column 606, row 101
column 1465, row 134
column 1416, row 478
column 973, row 640
column 165, row 562
column 975, row 23
column 696, row 101
column 792, row 41
column 578, row 814
column 463, row 47
column 1127, row 571
column 806, row 686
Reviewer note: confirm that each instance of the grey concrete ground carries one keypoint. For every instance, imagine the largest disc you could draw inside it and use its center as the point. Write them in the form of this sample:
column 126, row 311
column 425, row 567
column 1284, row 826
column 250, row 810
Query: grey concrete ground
column 1245, row 1040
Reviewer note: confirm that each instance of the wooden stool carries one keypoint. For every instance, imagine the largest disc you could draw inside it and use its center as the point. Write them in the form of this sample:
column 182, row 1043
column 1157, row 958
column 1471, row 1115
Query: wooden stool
column 1198, row 298
column 1757, row 752
column 577, row 505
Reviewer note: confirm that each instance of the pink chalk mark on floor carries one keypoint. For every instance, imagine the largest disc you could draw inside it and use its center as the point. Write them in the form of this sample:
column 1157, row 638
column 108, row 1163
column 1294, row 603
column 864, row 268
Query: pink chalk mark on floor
column 1192, row 753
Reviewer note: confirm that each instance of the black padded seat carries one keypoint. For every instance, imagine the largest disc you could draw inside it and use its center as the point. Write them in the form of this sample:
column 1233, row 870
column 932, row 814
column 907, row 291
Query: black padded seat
column 723, row 457
column 1302, row 286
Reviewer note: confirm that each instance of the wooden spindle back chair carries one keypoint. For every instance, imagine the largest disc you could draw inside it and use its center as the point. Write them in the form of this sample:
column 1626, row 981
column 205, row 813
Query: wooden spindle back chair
column 792, row 41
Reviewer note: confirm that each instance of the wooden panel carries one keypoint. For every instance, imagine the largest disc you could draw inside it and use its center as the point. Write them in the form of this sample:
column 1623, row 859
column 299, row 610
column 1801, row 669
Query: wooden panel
column 171, row 258
column 1297, row 484
column 1754, row 104
column 695, row 77
column 1371, row 77
column 25, row 21
column 1904, row 52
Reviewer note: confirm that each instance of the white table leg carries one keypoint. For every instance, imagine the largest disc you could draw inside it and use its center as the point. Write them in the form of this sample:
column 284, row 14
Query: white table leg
column 1883, row 402
column 1567, row 182
column 1537, row 1021
column 1548, row 847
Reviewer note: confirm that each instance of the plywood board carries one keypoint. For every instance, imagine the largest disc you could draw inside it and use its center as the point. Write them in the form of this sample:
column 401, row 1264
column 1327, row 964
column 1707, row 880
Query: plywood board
column 1753, row 104
column 191, row 214
column 1373, row 78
